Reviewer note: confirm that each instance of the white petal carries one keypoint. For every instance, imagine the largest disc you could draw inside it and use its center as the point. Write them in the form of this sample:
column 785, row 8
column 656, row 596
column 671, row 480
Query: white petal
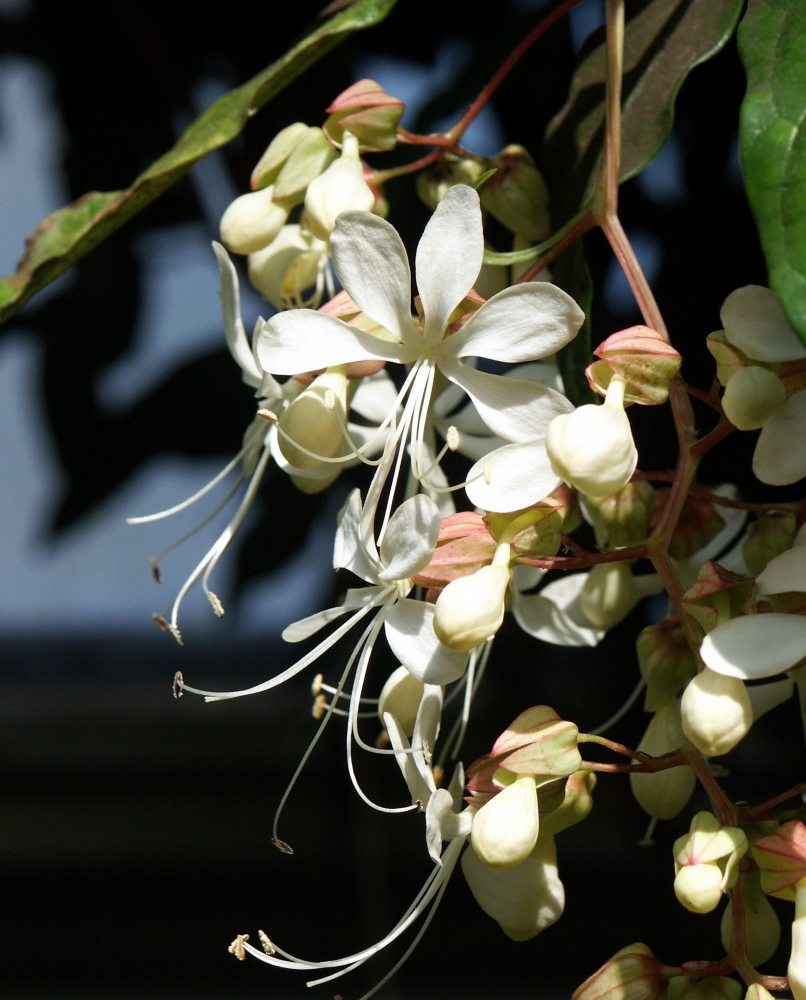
column 522, row 323
column 355, row 599
column 419, row 789
column 426, row 730
column 785, row 572
column 302, row 340
column 442, row 823
column 555, row 615
column 410, row 633
column 513, row 409
column 371, row 262
column 233, row 324
column 755, row 646
column 780, row 455
column 765, row 697
column 374, row 397
column 511, row 477
column 449, row 257
column 349, row 551
column 755, row 323
column 410, row 539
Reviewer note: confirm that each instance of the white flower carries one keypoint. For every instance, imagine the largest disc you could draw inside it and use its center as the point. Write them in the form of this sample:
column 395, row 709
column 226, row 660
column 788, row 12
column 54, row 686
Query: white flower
column 522, row 323
column 291, row 264
column 755, row 323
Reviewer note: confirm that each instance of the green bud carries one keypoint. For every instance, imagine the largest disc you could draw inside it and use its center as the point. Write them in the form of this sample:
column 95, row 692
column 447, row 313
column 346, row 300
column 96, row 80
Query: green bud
column 710, row 988
column 768, row 536
column 517, row 195
column 366, row 111
column 608, row 594
column 752, row 396
column 621, row 519
column 280, row 148
column 665, row 660
column 762, row 927
column 432, row 185
column 631, row 974
column 718, row 595
column 310, row 158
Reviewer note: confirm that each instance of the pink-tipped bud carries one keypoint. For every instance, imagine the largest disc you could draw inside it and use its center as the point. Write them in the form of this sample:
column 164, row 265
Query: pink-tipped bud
column 640, row 356
column 631, row 974
column 719, row 595
column 781, row 859
column 366, row 111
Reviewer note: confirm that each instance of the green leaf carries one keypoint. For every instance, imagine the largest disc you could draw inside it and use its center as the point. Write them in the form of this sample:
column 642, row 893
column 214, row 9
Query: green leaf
column 571, row 273
column 66, row 236
column 484, row 177
column 663, row 41
column 772, row 139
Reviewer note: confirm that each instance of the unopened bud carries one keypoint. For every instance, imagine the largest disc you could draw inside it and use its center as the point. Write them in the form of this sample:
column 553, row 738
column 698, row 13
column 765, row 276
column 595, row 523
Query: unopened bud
column 279, row 150
column 311, row 429
column 796, row 970
column 621, row 519
column 663, row 794
column 729, row 359
column 312, row 155
column 781, row 859
column 762, row 926
column 718, row 595
column 471, row 609
column 752, row 396
column 755, row 322
column 592, row 449
column 252, row 221
column 401, row 696
column 642, row 358
column 665, row 660
column 699, row 887
column 699, row 523
column 432, row 185
column 768, row 536
column 631, row 974
column 608, row 594
column 716, row 712
column 505, row 829
column 340, row 188
column 517, row 195
column 366, row 111
column 755, row 991
column 576, row 805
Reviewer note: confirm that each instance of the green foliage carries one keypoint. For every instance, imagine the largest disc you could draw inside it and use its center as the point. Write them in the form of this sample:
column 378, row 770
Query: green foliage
column 68, row 234
column 772, row 36
column 663, row 42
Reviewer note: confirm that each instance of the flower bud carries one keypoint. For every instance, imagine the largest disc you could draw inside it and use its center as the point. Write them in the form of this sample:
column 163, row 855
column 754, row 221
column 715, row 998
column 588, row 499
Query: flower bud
column 592, row 449
column 608, row 594
column 699, row 887
column 288, row 266
column 699, row 523
column 716, row 712
column 311, row 426
column 432, row 185
column 718, row 595
column 312, row 155
column 756, row 991
column 631, row 974
column 340, row 188
column 762, row 927
column 505, row 829
column 401, row 696
column 781, row 859
column 729, row 359
column 576, row 805
column 279, row 150
column 252, row 221
column 366, row 111
column 767, row 537
column 643, row 358
column 796, row 970
column 751, row 396
column 517, row 195
column 621, row 519
column 471, row 609
column 709, row 988
column 663, row 794
column 665, row 660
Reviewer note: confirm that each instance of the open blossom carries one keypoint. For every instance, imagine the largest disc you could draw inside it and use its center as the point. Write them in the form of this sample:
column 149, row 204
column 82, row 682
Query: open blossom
column 522, row 323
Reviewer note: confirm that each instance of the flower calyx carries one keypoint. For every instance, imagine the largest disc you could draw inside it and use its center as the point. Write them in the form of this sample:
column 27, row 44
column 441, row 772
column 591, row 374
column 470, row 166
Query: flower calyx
column 665, row 660
column 366, row 111
column 516, row 194
column 699, row 523
column 718, row 595
column 781, row 859
column 295, row 157
column 706, row 862
column 631, row 974
column 621, row 519
column 642, row 358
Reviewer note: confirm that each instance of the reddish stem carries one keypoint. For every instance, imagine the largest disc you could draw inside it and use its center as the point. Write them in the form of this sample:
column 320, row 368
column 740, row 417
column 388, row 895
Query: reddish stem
column 725, row 809
column 705, row 444
column 756, row 812
column 585, row 223
column 585, row 560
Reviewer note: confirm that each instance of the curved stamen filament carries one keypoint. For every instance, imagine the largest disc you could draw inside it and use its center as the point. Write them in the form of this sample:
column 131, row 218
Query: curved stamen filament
column 202, row 524
column 190, row 500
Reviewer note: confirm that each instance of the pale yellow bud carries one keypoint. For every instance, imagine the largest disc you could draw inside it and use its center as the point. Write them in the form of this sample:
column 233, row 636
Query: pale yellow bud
column 252, row 221
column 288, row 266
column 699, row 887
column 471, row 609
column 716, row 712
column 505, row 829
column 401, row 696
column 797, row 960
column 608, row 594
column 311, row 425
column 751, row 396
column 762, row 927
column 340, row 188
column 592, row 448
column 663, row 794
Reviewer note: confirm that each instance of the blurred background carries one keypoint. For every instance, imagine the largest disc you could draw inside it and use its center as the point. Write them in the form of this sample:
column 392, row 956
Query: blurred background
column 135, row 829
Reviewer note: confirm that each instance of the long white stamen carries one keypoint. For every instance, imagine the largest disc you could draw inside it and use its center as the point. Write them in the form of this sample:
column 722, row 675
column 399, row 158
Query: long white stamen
column 190, row 500
column 202, row 524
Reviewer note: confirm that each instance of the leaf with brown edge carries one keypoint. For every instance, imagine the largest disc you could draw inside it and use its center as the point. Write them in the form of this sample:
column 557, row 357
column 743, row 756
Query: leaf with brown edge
column 64, row 237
